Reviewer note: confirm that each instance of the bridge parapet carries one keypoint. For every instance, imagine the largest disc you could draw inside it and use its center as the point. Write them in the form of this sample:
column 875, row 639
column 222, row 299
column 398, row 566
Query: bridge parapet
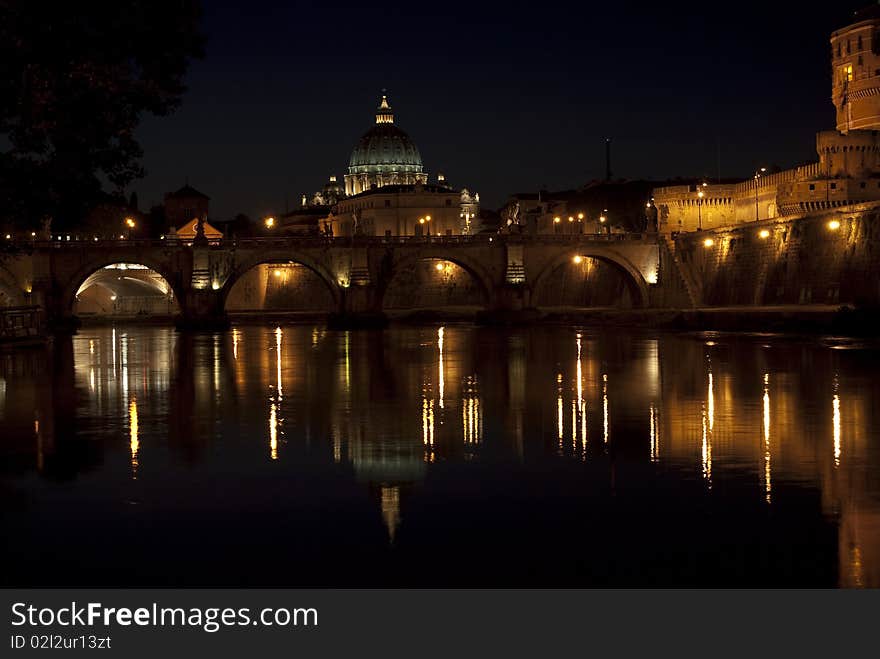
column 356, row 270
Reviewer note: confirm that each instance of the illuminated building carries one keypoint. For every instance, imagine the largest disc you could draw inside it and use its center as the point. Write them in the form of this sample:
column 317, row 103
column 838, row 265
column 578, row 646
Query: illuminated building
column 386, row 191
column 848, row 169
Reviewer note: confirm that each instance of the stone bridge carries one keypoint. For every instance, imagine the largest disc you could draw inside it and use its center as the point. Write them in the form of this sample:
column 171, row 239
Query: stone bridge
column 509, row 269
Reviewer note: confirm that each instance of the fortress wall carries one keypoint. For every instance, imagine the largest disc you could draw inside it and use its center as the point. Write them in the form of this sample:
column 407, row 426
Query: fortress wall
column 801, row 261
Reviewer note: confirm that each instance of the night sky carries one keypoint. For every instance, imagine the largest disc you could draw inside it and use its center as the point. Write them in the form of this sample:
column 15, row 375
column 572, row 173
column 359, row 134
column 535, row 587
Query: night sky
column 500, row 97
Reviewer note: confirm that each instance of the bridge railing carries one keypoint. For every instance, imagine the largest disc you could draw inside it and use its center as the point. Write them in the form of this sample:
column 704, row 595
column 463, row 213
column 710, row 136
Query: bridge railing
column 347, row 241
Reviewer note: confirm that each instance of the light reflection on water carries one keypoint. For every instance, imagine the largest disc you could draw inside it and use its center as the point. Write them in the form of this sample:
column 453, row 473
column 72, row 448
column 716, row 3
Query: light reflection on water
column 399, row 444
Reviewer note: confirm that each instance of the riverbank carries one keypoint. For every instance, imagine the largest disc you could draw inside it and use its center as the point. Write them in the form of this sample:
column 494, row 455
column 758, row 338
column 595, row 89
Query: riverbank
column 802, row 319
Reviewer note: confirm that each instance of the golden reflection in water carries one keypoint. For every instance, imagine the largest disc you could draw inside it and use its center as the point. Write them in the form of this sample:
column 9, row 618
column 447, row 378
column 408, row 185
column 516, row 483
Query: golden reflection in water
column 273, row 431
column 428, row 425
column 655, row 440
column 856, row 571
column 559, row 408
column 134, row 443
column 581, row 403
column 835, row 420
column 471, row 419
column 390, row 497
column 275, row 401
column 124, row 353
column 235, row 339
column 278, row 361
column 768, row 480
column 605, row 407
column 710, row 401
column 706, row 452
column 580, row 376
column 440, row 367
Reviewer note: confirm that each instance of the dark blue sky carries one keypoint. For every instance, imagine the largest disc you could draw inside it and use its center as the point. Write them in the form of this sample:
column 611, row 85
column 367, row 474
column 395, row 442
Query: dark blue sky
column 499, row 97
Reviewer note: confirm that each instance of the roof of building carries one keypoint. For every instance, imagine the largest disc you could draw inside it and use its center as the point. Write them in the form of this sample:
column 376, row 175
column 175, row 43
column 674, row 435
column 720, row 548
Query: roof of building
column 385, row 147
column 190, row 228
column 186, row 192
column 404, row 188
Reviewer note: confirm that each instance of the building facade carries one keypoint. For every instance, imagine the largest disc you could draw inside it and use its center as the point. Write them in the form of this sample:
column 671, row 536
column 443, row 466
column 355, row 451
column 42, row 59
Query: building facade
column 386, row 192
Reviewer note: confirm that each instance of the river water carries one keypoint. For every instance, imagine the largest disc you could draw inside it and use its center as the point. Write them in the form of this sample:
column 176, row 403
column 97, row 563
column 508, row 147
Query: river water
column 456, row 455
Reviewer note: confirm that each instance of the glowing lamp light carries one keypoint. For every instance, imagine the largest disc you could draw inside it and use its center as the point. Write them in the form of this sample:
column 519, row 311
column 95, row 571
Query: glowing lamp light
column 439, row 266
column 215, row 285
column 421, row 220
column 580, row 216
column 570, row 218
column 129, row 222
column 277, row 273
column 708, row 242
column 8, row 237
column 578, row 258
column 270, row 222
column 427, row 218
column 602, row 219
column 834, row 225
column 763, row 233
column 557, row 219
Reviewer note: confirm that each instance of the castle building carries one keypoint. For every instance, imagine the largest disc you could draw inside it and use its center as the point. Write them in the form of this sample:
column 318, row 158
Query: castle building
column 848, row 168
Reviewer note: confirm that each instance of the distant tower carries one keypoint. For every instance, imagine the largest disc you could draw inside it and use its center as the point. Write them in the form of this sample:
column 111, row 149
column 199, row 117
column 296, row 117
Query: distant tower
column 855, row 66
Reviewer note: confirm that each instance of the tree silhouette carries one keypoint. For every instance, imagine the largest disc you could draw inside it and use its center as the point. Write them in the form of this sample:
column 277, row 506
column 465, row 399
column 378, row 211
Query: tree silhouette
column 75, row 81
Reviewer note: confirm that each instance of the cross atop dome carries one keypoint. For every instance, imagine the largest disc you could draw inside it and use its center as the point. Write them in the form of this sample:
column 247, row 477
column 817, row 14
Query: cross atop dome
column 384, row 114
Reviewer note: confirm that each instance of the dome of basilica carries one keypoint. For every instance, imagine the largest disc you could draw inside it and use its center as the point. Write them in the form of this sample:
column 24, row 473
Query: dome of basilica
column 385, row 148
column 385, row 155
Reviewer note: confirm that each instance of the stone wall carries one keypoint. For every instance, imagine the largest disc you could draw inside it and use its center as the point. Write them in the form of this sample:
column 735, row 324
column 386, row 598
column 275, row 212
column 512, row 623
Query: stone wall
column 826, row 258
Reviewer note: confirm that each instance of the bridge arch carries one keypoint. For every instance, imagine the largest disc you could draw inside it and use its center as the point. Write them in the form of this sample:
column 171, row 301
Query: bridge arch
column 11, row 292
column 87, row 271
column 633, row 278
column 247, row 264
column 473, row 268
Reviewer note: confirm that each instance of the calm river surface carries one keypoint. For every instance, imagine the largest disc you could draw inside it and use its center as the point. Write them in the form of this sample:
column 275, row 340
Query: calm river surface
column 292, row 456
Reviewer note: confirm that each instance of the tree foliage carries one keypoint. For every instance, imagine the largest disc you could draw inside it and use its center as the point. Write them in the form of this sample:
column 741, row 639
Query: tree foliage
column 76, row 79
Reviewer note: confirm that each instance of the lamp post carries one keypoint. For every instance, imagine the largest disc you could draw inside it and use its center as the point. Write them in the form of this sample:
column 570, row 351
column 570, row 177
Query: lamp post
column 757, row 176
column 700, row 194
column 130, row 223
column 603, row 219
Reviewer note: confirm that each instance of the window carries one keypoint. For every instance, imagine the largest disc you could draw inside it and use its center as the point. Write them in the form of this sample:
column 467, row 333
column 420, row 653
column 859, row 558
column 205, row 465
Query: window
column 860, row 60
column 812, row 186
column 859, row 43
column 449, row 202
column 387, row 203
column 846, row 74
column 834, row 186
column 862, row 185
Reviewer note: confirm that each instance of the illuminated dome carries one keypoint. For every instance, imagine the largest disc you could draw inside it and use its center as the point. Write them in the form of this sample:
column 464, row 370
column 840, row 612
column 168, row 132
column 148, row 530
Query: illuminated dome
column 385, row 155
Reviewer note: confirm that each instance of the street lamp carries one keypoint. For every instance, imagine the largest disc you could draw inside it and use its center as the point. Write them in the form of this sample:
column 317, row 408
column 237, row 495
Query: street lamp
column 757, row 176
column 269, row 222
column 700, row 194
column 130, row 223
column 602, row 218
column 467, row 215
